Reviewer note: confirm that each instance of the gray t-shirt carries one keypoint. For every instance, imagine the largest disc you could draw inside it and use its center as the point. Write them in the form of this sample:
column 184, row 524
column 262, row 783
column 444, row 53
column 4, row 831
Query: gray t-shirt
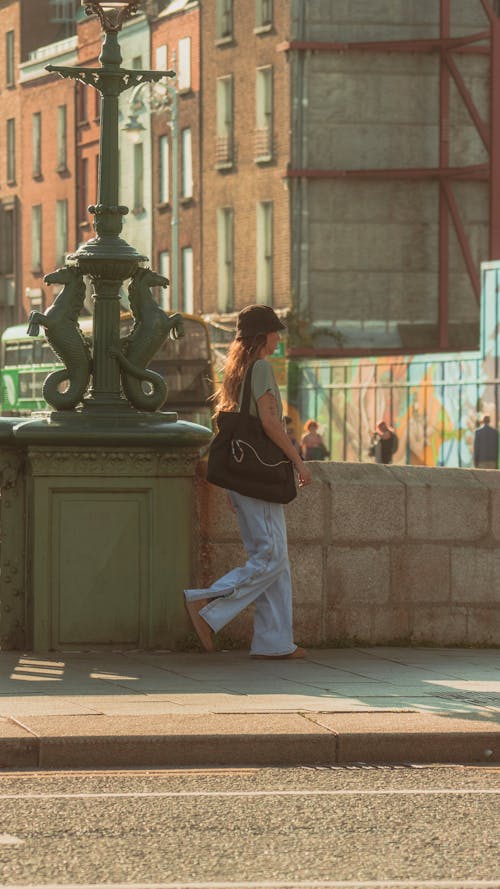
column 263, row 380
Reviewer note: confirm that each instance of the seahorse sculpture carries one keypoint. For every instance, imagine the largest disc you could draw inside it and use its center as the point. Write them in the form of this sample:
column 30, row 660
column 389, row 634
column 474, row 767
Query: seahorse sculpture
column 151, row 328
column 66, row 338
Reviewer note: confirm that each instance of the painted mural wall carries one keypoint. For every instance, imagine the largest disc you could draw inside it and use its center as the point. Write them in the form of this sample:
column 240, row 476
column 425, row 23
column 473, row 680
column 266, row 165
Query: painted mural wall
column 433, row 401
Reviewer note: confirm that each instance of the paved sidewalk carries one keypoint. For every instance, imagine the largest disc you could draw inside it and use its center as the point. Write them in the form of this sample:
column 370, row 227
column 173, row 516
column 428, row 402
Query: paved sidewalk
column 122, row 709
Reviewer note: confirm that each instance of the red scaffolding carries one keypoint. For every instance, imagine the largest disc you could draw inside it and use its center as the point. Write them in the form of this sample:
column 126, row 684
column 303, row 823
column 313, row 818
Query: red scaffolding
column 486, row 42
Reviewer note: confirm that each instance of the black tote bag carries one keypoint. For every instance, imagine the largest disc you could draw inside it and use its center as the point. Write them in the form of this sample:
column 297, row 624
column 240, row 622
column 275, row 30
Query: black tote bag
column 243, row 458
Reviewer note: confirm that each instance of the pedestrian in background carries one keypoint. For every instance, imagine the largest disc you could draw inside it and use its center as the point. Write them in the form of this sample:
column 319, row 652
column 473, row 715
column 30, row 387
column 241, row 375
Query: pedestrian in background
column 486, row 445
column 265, row 578
column 384, row 443
column 312, row 444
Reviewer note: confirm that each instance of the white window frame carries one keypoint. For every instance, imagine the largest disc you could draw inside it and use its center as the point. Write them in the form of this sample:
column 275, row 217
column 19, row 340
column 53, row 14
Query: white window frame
column 62, row 137
column 264, row 112
column 36, row 144
column 61, row 230
column 161, row 57
column 224, row 120
column 187, row 261
column 263, row 13
column 36, row 238
column 225, row 259
column 186, row 164
column 11, row 149
column 224, row 21
column 10, row 67
column 264, row 258
column 164, row 178
column 184, row 65
column 138, row 156
column 164, row 269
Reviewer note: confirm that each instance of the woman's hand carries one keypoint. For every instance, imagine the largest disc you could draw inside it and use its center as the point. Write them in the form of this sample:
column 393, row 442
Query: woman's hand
column 304, row 474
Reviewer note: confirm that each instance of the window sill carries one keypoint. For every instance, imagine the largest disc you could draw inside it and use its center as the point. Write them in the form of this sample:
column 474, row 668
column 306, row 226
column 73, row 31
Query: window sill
column 224, row 165
column 163, row 206
column 138, row 211
column 11, row 182
column 263, row 159
column 37, row 273
column 38, row 177
column 84, row 226
column 263, row 29
column 187, row 200
column 227, row 40
column 62, row 170
column 185, row 91
column 83, row 123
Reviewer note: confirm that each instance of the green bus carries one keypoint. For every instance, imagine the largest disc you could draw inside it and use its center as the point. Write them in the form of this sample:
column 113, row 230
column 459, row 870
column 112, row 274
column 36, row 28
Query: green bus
column 185, row 364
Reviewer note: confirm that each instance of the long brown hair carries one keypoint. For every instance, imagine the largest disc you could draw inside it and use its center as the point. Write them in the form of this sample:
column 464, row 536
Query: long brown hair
column 242, row 353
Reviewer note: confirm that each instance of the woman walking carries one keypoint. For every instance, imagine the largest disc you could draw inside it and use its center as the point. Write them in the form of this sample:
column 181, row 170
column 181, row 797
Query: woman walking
column 265, row 578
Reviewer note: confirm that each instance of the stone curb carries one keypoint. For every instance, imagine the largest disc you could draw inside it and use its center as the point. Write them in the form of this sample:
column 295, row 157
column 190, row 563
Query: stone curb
column 287, row 739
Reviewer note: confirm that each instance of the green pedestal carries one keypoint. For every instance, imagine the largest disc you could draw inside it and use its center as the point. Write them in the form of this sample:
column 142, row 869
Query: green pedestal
column 109, row 530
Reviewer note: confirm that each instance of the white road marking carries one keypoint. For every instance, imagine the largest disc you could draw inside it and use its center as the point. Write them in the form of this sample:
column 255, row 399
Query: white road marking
column 276, row 884
column 7, row 840
column 182, row 794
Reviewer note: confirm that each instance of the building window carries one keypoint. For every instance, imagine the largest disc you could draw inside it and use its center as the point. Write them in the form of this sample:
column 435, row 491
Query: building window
column 187, row 164
column 264, row 114
column 137, row 63
column 11, row 150
column 263, row 13
column 164, row 267
column 139, row 178
column 225, row 260
column 7, row 241
column 97, row 105
column 81, row 103
column 184, row 68
column 83, row 190
column 224, row 138
column 161, row 57
column 62, row 138
column 36, row 238
column 224, row 19
column 61, row 231
column 164, row 183
column 10, row 68
column 187, row 280
column 265, row 253
column 36, row 145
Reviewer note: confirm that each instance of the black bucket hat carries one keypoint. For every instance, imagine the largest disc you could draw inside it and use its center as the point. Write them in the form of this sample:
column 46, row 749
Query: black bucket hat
column 253, row 320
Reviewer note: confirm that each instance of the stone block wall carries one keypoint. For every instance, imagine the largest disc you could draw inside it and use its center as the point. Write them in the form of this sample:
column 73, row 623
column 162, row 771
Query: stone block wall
column 379, row 555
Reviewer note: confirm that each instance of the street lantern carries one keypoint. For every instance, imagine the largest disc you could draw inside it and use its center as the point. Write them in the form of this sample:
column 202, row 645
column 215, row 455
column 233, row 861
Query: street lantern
column 111, row 14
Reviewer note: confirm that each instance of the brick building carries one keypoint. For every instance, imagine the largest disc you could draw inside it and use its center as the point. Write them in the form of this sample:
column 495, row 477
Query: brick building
column 47, row 188
column 175, row 36
column 246, row 137
column 24, row 26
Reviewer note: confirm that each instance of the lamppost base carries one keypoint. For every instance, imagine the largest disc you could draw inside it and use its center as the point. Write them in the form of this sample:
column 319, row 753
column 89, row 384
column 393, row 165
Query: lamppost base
column 123, row 428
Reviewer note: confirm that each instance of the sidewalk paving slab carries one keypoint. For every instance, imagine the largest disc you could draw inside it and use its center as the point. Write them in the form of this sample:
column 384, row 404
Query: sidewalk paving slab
column 104, row 709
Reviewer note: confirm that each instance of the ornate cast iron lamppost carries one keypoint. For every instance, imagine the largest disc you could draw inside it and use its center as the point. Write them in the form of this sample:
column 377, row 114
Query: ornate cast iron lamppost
column 109, row 260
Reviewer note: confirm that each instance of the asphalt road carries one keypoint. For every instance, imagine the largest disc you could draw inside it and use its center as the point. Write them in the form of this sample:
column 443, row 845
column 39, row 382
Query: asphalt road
column 258, row 828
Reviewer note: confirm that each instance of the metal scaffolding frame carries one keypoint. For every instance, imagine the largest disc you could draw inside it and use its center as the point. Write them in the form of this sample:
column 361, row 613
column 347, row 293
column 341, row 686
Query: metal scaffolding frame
column 485, row 42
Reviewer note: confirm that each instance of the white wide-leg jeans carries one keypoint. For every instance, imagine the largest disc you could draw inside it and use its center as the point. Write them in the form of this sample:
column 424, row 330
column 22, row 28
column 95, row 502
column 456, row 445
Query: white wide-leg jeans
column 264, row 579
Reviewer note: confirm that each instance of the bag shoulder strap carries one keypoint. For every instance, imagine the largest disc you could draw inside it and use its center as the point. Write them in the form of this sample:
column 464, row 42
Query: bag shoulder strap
column 247, row 391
